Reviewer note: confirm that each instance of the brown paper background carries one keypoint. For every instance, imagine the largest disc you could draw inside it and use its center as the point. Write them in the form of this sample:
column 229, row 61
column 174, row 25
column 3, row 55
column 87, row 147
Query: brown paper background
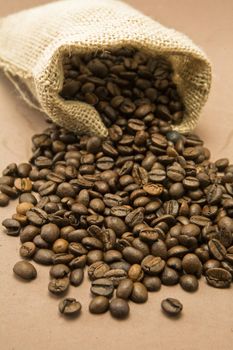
column 29, row 319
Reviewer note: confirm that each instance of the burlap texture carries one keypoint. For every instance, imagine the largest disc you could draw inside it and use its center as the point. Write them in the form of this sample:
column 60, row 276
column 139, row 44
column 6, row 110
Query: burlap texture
column 33, row 42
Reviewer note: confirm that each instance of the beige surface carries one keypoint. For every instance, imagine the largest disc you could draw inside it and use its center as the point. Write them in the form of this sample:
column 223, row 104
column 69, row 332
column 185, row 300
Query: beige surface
column 28, row 315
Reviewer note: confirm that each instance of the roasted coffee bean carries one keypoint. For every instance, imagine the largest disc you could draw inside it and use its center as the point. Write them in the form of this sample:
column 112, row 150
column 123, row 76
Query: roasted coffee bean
column 139, row 293
column 97, row 270
column 4, row 200
column 12, row 227
column 76, row 277
column 152, row 265
column 217, row 250
column 159, row 249
column 37, row 216
column 112, row 255
column 9, row 191
column 59, row 271
column 191, row 264
column 77, row 249
column 69, row 307
column 218, row 277
column 116, row 275
column 171, row 307
column 210, row 264
column 58, row 285
column 169, row 276
column 132, row 255
column 28, row 233
column 94, row 256
column 152, row 283
column 99, row 305
column 124, row 289
column 103, row 287
column 27, row 250
column 25, row 270
column 23, row 184
column 74, row 263
column 120, row 265
column 119, row 308
column 60, row 245
column 44, row 256
column 189, row 283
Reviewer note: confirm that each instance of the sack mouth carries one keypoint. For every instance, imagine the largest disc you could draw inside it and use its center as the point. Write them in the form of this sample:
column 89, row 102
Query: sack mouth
column 189, row 71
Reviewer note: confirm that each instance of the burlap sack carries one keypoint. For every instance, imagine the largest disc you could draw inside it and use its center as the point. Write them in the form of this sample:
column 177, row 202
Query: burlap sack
column 33, row 42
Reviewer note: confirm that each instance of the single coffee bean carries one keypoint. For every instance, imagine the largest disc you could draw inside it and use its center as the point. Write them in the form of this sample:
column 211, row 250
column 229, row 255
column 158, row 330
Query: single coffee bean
column 60, row 245
column 76, row 277
column 12, row 226
column 136, row 273
column 97, row 270
column 9, row 191
column 69, row 307
column 27, row 250
column 124, row 289
column 23, row 184
column 44, row 256
column 139, row 293
column 152, row 283
column 59, row 271
column 119, row 308
column 189, row 283
column 152, row 265
column 169, row 276
column 99, row 305
column 58, row 285
column 171, row 306
column 4, row 200
column 191, row 264
column 103, row 287
column 218, row 277
column 132, row 255
column 217, row 249
column 116, row 275
column 25, row 270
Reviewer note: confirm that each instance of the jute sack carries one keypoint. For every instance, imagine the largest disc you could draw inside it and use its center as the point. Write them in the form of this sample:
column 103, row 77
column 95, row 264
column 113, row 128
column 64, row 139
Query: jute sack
column 33, row 42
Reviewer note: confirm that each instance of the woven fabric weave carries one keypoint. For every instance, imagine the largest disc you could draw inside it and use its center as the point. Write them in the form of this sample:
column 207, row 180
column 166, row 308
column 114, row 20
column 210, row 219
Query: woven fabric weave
column 33, row 43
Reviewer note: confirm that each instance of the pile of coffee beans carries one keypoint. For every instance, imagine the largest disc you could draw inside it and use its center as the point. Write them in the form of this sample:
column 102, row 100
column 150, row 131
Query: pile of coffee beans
column 125, row 82
column 141, row 208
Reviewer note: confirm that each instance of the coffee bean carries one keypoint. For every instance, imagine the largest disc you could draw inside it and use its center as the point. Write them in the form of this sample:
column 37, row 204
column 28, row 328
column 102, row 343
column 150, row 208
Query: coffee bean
column 44, row 256
column 27, row 250
column 102, row 287
column 189, row 283
column 58, row 285
column 112, row 255
column 4, row 200
column 119, row 308
column 218, row 277
column 76, row 277
column 169, row 276
column 9, row 191
column 50, row 232
column 139, row 293
column 136, row 273
column 217, row 249
column 25, row 270
column 132, row 255
column 152, row 265
column 152, row 283
column 124, row 289
column 23, row 184
column 97, row 270
column 171, row 307
column 60, row 245
column 59, row 271
column 191, row 264
column 116, row 275
column 69, row 307
column 99, row 305
column 12, row 226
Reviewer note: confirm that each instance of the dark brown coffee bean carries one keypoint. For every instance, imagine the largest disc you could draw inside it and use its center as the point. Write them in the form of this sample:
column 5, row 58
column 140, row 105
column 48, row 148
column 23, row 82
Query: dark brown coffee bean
column 102, row 287
column 99, row 305
column 191, row 264
column 218, row 277
column 70, row 307
column 124, row 289
column 59, row 271
column 159, row 249
column 9, row 191
column 132, row 255
column 136, row 273
column 4, row 200
column 58, row 285
column 12, row 227
column 25, row 270
column 152, row 265
column 169, row 276
column 76, row 277
column 116, row 275
column 43, row 256
column 217, row 250
column 152, row 283
column 119, row 308
column 139, row 293
column 171, row 306
column 97, row 270
column 27, row 250
column 189, row 283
